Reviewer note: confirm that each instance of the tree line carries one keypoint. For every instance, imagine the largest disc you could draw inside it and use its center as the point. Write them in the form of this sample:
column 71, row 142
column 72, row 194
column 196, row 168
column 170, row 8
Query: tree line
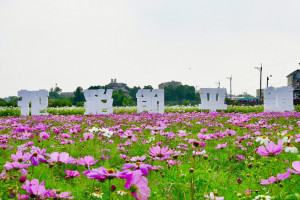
column 178, row 95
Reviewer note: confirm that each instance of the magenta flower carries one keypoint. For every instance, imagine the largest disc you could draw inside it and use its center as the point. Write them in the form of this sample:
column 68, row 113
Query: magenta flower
column 213, row 197
column 271, row 149
column 296, row 166
column 174, row 162
column 138, row 165
column 63, row 195
column 97, row 174
column 71, row 174
column 87, row 160
column 160, row 153
column 221, row 146
column 44, row 136
column 34, row 188
column 19, row 157
column 15, row 165
column 36, row 155
column 88, row 136
column 138, row 159
column 138, row 185
column 274, row 179
column 61, row 158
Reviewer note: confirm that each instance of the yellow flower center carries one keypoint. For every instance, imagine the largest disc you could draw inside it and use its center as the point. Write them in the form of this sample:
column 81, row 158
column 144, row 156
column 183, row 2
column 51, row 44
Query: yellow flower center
column 291, row 145
column 110, row 171
column 138, row 164
column 264, row 137
column 35, row 154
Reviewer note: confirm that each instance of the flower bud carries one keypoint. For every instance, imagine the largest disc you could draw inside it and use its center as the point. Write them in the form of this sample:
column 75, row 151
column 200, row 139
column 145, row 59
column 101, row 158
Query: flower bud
column 192, row 170
column 22, row 179
column 239, row 180
column 113, row 188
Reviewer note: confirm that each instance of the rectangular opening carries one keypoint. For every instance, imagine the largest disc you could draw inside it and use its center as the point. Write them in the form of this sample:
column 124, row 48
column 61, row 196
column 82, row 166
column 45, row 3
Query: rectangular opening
column 104, row 110
column 217, row 97
column 208, row 96
column 104, row 100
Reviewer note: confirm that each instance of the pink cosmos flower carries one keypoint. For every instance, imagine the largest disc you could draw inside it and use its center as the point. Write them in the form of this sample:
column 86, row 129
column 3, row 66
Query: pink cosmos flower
column 271, row 149
column 160, row 153
column 97, row 174
column 19, row 157
column 123, row 156
column 274, row 179
column 138, row 185
column 138, row 159
column 63, row 195
column 221, row 146
column 138, row 165
column 88, row 136
column 296, row 166
column 15, row 165
column 174, row 162
column 36, row 155
column 61, row 158
column 213, row 197
column 44, row 136
column 87, row 160
column 71, row 174
column 102, row 174
column 34, row 188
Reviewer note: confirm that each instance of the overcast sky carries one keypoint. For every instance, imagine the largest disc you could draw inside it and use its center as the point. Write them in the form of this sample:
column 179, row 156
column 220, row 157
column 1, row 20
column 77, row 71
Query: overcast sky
column 138, row 42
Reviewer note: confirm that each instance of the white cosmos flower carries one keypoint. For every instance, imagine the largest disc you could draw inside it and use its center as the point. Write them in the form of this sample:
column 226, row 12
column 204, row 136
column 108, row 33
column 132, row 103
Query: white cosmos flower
column 286, row 140
column 94, row 129
column 97, row 195
column 265, row 197
column 106, row 132
column 263, row 140
column 291, row 149
column 121, row 192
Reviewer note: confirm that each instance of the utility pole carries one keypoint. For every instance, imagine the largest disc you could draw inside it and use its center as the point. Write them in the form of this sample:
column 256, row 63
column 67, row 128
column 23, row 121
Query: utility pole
column 268, row 80
column 260, row 70
column 218, row 84
column 230, row 78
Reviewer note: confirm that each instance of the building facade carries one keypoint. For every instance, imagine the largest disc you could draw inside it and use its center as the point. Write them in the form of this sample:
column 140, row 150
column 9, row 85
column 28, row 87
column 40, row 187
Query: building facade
column 171, row 83
column 293, row 80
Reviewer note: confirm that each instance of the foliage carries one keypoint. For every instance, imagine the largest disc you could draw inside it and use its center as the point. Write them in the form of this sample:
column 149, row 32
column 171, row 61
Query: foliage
column 227, row 164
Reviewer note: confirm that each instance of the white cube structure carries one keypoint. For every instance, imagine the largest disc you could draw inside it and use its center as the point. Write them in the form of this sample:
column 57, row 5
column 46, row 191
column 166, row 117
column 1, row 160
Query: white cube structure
column 98, row 101
column 150, row 101
column 158, row 101
column 38, row 99
column 278, row 99
column 212, row 99
column 270, row 99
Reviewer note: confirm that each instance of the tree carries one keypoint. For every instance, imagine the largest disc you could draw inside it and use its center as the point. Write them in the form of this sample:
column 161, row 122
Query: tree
column 148, row 87
column 180, row 92
column 133, row 91
column 55, row 93
column 78, row 95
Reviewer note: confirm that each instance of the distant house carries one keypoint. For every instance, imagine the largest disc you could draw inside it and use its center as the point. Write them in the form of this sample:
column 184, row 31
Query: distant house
column 171, row 83
column 293, row 80
column 118, row 86
column 262, row 93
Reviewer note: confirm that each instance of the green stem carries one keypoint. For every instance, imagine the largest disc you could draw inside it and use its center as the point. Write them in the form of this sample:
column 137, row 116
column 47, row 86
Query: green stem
column 291, row 189
column 178, row 180
column 109, row 188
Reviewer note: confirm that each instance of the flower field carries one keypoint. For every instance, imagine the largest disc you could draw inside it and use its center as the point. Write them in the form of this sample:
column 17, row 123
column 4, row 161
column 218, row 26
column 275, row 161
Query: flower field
column 181, row 154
